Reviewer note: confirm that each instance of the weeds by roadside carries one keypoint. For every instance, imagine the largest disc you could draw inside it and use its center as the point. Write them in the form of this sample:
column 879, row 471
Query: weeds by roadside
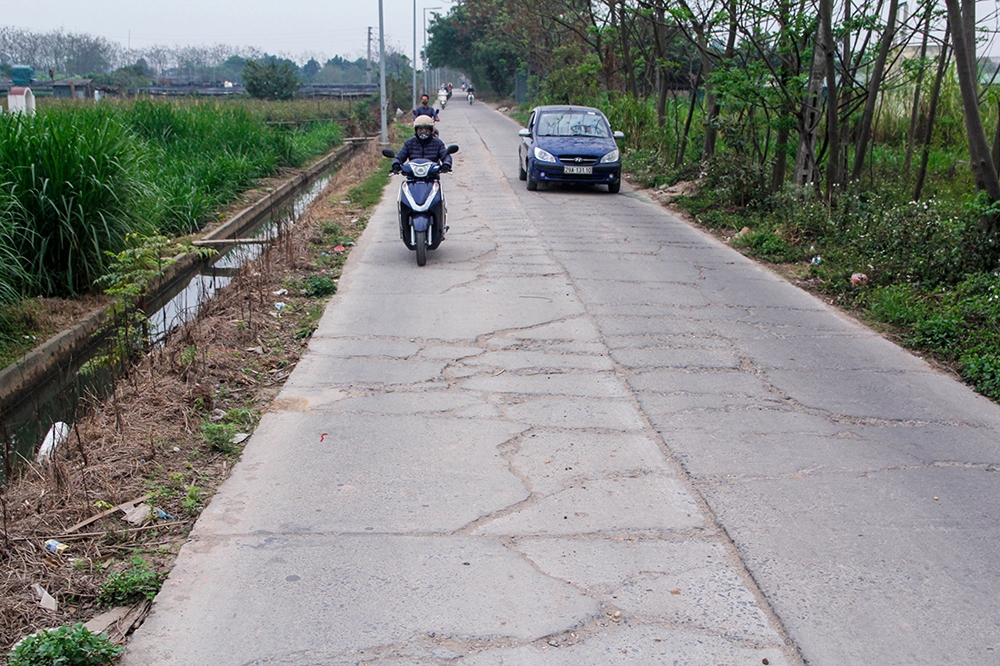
column 174, row 429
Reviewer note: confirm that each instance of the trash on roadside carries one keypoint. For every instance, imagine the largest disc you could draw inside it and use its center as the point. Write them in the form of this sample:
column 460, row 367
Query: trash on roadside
column 45, row 600
column 138, row 515
column 163, row 515
column 216, row 415
column 340, row 249
column 279, row 306
column 57, row 434
column 859, row 279
column 240, row 437
column 56, row 547
column 817, row 260
column 280, row 292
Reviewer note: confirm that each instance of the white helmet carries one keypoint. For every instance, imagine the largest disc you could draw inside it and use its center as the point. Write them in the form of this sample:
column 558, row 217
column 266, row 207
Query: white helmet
column 425, row 122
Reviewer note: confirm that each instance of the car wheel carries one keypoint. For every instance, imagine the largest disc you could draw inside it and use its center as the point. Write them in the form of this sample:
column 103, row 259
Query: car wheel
column 521, row 173
column 615, row 188
column 532, row 184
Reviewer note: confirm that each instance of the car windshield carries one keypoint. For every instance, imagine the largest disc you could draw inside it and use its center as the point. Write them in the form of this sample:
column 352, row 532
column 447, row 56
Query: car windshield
column 573, row 124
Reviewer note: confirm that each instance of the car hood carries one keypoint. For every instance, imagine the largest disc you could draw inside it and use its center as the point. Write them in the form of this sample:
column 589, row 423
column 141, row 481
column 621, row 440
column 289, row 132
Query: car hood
column 576, row 145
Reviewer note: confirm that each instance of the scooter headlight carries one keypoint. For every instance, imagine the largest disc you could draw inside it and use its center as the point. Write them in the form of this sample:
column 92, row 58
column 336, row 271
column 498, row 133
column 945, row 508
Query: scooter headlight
column 421, row 170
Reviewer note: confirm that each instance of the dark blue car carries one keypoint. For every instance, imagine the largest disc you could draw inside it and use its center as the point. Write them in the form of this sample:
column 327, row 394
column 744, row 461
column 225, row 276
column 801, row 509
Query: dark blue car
column 569, row 144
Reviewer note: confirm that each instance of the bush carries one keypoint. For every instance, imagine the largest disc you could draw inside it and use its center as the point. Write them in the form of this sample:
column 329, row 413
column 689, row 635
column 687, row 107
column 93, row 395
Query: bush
column 66, row 646
column 768, row 246
column 270, row 79
column 983, row 372
column 317, row 286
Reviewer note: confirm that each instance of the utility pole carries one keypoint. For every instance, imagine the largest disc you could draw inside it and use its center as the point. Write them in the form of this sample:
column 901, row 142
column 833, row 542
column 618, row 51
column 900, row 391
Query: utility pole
column 369, row 81
column 414, row 63
column 426, row 9
column 381, row 73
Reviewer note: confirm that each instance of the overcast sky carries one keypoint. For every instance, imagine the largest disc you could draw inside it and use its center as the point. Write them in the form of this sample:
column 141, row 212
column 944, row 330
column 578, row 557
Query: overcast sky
column 288, row 27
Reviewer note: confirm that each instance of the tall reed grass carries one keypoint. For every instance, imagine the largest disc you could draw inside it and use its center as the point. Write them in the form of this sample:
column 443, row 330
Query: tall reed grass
column 76, row 179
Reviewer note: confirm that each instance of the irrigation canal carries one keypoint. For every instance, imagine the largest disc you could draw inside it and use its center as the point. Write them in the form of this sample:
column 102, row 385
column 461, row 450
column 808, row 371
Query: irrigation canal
column 587, row 433
column 48, row 387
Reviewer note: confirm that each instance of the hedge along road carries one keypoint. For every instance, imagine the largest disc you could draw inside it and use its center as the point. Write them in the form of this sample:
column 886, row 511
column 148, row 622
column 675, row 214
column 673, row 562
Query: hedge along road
column 586, row 433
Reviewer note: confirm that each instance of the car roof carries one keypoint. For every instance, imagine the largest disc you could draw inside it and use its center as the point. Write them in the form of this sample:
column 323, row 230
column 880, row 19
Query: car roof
column 566, row 108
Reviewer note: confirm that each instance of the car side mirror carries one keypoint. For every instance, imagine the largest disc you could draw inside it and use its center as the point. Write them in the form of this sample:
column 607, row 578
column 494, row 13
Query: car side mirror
column 388, row 153
column 452, row 149
column 618, row 135
column 524, row 132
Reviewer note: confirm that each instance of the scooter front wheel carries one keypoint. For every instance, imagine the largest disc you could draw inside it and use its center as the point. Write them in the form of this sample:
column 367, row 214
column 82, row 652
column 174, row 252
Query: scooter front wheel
column 421, row 248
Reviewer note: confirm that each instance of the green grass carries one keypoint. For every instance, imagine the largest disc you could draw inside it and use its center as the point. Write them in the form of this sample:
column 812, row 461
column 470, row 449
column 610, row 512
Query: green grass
column 76, row 180
column 65, row 646
column 369, row 193
column 140, row 581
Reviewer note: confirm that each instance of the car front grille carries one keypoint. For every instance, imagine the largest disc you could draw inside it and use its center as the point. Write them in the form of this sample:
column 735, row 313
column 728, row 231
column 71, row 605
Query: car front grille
column 578, row 160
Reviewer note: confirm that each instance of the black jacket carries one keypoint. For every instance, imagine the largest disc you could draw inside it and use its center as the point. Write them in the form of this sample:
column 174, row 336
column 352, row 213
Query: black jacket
column 415, row 149
column 426, row 111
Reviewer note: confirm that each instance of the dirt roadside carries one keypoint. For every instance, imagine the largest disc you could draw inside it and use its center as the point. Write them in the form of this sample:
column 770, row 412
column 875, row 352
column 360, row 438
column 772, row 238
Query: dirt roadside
column 170, row 433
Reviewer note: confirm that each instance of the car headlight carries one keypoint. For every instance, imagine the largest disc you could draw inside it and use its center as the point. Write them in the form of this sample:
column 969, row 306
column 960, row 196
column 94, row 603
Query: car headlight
column 544, row 155
column 611, row 157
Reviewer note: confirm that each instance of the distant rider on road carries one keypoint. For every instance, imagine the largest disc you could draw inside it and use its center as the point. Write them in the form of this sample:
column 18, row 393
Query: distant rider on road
column 425, row 109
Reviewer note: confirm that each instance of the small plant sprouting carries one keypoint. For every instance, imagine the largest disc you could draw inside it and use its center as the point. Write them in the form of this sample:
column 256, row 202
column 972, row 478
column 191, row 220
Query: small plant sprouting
column 193, row 501
column 126, row 587
column 219, row 436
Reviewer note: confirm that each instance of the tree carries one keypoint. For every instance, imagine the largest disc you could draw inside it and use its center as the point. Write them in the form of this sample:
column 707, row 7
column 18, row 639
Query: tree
column 310, row 70
column 270, row 79
column 962, row 19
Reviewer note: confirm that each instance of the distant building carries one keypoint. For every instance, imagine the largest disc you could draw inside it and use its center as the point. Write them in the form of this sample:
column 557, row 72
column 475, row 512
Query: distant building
column 73, row 89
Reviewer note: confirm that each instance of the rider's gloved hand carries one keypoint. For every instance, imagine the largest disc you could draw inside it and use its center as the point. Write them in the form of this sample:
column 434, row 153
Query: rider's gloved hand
column 445, row 168
column 397, row 167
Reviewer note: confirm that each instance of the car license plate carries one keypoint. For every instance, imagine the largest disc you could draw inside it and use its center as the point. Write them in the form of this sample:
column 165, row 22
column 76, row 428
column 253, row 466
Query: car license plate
column 581, row 170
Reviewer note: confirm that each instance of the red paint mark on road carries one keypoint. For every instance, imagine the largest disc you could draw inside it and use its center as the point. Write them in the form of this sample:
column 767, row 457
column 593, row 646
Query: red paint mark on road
column 321, row 437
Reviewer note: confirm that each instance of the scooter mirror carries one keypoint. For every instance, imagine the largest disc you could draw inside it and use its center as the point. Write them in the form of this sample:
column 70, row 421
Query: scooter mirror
column 388, row 153
column 452, row 149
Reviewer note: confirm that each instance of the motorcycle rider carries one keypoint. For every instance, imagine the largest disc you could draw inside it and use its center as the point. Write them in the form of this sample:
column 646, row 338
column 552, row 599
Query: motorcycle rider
column 425, row 109
column 423, row 145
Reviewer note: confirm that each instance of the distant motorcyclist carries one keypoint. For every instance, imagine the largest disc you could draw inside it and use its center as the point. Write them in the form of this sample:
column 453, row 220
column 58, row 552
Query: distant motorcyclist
column 423, row 145
column 425, row 109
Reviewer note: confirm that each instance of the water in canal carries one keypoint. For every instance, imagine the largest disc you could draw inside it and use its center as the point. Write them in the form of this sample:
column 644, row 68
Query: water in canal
column 23, row 425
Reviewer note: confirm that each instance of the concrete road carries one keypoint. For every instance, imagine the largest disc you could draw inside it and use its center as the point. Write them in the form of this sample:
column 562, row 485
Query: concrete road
column 586, row 433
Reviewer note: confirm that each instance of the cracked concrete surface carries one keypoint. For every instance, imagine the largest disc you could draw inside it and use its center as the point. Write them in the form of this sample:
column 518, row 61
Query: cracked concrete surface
column 585, row 433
